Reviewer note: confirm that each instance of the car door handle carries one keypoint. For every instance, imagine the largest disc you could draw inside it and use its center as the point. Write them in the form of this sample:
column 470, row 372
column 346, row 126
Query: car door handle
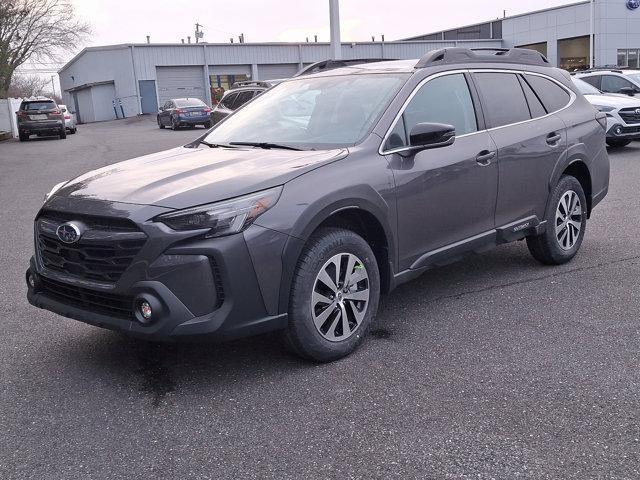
column 484, row 157
column 553, row 139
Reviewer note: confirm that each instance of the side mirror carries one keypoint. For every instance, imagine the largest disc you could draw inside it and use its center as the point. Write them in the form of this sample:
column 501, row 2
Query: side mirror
column 161, row 109
column 431, row 135
column 628, row 91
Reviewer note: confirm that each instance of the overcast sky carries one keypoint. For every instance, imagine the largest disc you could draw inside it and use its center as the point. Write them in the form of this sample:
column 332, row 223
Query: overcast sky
column 123, row 21
column 129, row 21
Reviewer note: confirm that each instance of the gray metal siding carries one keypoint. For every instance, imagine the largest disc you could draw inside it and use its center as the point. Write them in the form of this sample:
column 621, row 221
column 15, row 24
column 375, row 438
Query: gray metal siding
column 282, row 70
column 85, row 105
column 103, row 96
column 180, row 82
column 230, row 70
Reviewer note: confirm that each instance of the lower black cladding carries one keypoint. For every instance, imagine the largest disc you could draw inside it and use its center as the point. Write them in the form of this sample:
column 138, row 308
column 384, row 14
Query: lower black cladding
column 119, row 306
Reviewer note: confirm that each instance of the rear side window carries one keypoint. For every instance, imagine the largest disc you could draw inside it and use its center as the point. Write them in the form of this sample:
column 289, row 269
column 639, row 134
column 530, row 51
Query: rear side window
column 552, row 95
column 535, row 105
column 38, row 106
column 503, row 99
column 243, row 97
column 444, row 99
column 592, row 80
column 228, row 101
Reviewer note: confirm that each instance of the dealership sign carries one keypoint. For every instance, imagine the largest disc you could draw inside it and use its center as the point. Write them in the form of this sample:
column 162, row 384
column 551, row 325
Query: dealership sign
column 633, row 4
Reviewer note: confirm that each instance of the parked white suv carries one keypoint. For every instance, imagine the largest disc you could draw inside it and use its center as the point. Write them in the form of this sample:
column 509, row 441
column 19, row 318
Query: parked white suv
column 623, row 113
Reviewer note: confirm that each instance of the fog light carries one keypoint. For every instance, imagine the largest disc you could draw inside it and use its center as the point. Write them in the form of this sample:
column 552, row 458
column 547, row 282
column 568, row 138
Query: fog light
column 618, row 130
column 31, row 280
column 145, row 310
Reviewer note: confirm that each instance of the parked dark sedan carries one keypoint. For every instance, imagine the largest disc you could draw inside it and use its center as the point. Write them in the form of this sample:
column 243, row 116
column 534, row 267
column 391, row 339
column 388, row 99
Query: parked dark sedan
column 180, row 112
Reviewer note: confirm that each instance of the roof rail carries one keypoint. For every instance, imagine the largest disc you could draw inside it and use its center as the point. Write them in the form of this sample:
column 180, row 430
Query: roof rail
column 251, row 83
column 449, row 56
column 613, row 68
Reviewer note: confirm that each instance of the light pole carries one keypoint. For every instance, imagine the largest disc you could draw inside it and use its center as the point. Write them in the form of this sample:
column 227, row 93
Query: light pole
column 334, row 27
column 591, row 28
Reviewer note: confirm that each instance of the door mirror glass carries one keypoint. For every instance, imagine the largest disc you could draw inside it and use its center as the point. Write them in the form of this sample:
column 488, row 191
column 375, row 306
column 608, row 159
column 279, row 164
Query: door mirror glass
column 627, row 91
column 431, row 135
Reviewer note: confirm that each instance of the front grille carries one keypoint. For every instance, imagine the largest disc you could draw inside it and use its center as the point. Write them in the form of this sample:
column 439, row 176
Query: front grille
column 120, row 306
column 631, row 129
column 629, row 115
column 105, row 250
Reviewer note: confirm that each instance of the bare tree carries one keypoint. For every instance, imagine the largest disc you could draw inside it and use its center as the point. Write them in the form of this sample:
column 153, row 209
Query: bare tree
column 35, row 30
column 23, row 86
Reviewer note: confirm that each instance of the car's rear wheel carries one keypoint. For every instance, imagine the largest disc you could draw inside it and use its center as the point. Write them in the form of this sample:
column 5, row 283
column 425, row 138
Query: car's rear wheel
column 566, row 221
column 174, row 124
column 72, row 131
column 23, row 137
column 618, row 143
column 63, row 134
column 207, row 125
column 334, row 295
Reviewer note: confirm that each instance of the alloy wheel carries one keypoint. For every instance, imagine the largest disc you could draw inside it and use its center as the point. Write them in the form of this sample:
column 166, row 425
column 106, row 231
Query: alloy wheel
column 340, row 297
column 568, row 220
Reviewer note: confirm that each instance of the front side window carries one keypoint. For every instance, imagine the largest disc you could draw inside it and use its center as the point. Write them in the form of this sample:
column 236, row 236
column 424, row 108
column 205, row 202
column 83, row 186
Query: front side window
column 312, row 112
column 613, row 84
column 444, row 99
column 503, row 99
column 552, row 95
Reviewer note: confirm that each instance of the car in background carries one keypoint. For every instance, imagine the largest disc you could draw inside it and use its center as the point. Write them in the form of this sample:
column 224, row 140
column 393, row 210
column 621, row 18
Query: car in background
column 239, row 94
column 184, row 112
column 70, row 123
column 40, row 116
column 623, row 113
column 612, row 80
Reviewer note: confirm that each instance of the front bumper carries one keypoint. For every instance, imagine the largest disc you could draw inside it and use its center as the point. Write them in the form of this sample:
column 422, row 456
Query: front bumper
column 218, row 288
column 617, row 129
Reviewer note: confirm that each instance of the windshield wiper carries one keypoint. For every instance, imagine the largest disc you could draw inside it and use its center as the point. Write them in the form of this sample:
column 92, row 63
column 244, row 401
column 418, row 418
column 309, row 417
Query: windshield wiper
column 215, row 145
column 265, row 145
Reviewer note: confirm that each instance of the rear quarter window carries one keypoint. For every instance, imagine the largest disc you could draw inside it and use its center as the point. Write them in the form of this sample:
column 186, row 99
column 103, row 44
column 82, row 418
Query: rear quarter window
column 552, row 95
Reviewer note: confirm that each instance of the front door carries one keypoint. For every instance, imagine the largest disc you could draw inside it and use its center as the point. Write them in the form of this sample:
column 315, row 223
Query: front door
column 445, row 195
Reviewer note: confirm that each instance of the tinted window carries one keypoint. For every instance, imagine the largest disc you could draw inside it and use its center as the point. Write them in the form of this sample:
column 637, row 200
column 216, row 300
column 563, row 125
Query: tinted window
column 242, row 98
column 535, row 106
column 503, row 99
column 592, row 80
column 39, row 106
column 441, row 100
column 553, row 96
column 227, row 102
column 613, row 84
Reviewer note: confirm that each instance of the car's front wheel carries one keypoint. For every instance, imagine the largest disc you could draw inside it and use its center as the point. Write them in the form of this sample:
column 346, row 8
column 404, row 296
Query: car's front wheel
column 566, row 221
column 63, row 134
column 160, row 124
column 334, row 295
column 23, row 137
column 618, row 143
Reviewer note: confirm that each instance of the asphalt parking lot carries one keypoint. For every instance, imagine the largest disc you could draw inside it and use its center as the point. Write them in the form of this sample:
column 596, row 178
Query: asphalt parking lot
column 496, row 367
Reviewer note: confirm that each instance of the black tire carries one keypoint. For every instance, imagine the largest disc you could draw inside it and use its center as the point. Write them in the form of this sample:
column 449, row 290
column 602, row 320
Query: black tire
column 207, row 125
column 302, row 336
column 618, row 143
column 23, row 137
column 546, row 247
column 73, row 131
column 174, row 124
column 160, row 124
column 63, row 134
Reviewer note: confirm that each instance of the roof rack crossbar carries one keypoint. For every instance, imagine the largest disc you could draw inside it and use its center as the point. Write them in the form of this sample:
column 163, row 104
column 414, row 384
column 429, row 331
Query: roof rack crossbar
column 453, row 55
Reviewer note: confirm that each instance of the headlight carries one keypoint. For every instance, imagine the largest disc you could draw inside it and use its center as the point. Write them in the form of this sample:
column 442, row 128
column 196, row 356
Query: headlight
column 223, row 218
column 53, row 190
column 603, row 108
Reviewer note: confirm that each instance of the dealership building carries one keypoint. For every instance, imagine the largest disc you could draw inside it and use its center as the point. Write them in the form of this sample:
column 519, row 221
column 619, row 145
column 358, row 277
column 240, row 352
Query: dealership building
column 104, row 83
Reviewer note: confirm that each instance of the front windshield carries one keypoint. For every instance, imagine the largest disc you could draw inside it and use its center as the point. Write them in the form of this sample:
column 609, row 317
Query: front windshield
column 585, row 88
column 634, row 76
column 305, row 113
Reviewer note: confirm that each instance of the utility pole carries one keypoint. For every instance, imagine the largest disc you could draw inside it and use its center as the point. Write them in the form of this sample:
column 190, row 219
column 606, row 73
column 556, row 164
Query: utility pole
column 334, row 27
column 53, row 86
column 591, row 28
column 199, row 33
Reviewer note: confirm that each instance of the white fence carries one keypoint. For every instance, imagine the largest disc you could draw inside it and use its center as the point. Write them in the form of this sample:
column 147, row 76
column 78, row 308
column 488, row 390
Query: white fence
column 8, row 108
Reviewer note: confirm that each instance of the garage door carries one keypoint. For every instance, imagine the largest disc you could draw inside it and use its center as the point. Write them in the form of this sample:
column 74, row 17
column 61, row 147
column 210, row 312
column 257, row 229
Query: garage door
column 180, row 82
column 84, row 106
column 279, row 70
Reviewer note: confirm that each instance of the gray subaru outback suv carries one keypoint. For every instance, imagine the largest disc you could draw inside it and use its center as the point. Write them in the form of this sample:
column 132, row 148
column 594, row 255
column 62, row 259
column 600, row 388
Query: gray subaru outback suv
column 296, row 212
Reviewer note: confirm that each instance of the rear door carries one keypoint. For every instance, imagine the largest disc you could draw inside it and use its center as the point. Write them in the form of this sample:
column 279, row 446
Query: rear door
column 530, row 142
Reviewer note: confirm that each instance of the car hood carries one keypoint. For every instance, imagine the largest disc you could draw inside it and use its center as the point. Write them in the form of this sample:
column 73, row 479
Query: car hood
column 615, row 101
column 183, row 177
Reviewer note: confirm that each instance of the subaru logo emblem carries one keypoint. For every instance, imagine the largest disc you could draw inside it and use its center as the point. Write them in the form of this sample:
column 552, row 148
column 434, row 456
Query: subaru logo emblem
column 68, row 232
column 633, row 4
